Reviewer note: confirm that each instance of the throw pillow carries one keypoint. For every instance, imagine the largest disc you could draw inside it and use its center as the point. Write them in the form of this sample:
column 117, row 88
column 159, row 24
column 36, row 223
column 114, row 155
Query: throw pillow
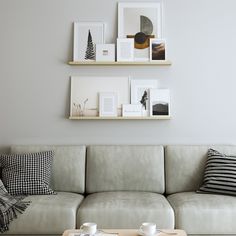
column 220, row 174
column 27, row 174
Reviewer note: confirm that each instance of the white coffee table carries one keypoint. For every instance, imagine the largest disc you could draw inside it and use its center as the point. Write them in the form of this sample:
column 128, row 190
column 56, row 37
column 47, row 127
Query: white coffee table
column 130, row 232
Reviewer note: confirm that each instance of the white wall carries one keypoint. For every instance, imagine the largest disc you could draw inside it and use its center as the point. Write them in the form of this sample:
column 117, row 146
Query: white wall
column 36, row 43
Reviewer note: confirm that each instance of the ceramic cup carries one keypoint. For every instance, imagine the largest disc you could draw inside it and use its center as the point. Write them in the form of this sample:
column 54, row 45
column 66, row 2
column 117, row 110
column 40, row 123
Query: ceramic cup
column 89, row 228
column 148, row 228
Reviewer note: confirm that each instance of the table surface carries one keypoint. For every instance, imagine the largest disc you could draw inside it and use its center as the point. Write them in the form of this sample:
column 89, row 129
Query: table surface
column 130, row 232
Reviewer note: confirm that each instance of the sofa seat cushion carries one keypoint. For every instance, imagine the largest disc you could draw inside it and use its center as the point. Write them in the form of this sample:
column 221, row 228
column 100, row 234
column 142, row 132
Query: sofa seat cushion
column 125, row 210
column 204, row 213
column 47, row 214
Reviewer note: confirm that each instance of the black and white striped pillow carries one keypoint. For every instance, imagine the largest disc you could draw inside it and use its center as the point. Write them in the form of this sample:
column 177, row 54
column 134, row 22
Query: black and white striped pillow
column 27, row 174
column 220, row 174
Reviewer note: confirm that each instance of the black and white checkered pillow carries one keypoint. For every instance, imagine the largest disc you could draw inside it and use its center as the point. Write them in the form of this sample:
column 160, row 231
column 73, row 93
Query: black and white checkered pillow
column 27, row 174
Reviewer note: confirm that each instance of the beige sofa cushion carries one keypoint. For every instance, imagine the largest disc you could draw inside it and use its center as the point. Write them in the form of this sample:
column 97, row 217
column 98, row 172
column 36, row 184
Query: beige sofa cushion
column 119, row 210
column 47, row 214
column 125, row 168
column 68, row 171
column 204, row 213
column 185, row 165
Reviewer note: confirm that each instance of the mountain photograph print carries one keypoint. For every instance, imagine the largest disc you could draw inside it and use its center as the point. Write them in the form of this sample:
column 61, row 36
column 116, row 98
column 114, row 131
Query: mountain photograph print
column 159, row 102
column 157, row 49
column 160, row 108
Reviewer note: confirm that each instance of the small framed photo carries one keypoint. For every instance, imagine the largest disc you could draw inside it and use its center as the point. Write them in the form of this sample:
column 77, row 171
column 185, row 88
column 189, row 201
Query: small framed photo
column 86, row 36
column 105, row 52
column 129, row 110
column 159, row 102
column 157, row 49
column 108, row 104
column 125, row 49
column 140, row 92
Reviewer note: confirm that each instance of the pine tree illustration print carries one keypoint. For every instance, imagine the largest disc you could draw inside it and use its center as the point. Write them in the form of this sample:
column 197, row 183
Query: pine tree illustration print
column 90, row 52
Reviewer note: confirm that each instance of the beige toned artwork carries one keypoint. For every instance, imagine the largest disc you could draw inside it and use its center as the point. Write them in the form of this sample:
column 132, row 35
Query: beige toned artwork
column 85, row 93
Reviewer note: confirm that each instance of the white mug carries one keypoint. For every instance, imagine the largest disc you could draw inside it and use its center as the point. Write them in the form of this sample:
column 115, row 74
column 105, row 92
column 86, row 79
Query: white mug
column 89, row 228
column 148, row 228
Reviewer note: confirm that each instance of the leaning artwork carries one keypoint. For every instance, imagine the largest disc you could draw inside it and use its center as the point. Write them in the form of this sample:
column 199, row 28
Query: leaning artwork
column 86, row 36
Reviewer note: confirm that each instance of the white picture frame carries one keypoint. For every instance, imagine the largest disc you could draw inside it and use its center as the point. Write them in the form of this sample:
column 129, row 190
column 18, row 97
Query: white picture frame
column 105, row 52
column 85, row 89
column 159, row 102
column 131, row 110
column 108, row 104
column 140, row 17
column 157, row 50
column 125, row 49
column 140, row 90
column 81, row 50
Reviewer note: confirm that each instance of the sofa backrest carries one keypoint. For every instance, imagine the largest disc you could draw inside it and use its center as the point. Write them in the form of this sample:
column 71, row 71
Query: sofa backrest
column 184, row 166
column 68, row 172
column 125, row 168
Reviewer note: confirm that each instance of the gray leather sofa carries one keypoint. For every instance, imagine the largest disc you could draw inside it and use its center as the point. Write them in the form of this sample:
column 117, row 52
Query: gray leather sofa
column 123, row 186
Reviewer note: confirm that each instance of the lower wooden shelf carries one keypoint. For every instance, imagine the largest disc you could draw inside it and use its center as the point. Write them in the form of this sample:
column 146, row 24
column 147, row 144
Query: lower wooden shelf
column 118, row 118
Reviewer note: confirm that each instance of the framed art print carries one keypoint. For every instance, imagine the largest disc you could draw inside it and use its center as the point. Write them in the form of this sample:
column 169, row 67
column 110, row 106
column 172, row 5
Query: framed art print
column 140, row 92
column 86, row 36
column 125, row 49
column 135, row 17
column 84, row 98
column 107, row 104
column 105, row 52
column 159, row 102
column 140, row 21
column 131, row 110
column 157, row 49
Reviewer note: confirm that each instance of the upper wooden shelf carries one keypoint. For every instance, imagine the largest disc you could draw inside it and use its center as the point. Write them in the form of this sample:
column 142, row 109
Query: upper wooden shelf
column 120, row 63
column 119, row 118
